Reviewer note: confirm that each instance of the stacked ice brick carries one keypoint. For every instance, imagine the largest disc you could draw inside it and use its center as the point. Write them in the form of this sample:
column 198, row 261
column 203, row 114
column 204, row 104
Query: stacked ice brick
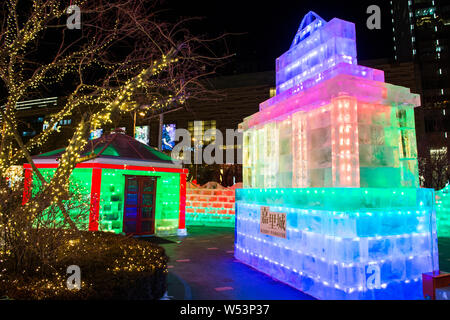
column 342, row 243
column 443, row 212
column 335, row 150
column 210, row 207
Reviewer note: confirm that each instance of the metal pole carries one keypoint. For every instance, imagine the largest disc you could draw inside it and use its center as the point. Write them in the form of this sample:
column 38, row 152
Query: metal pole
column 134, row 125
column 161, row 121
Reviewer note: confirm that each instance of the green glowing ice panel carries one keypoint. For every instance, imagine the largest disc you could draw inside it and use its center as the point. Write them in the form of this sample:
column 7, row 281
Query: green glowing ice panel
column 443, row 212
column 210, row 218
column 80, row 186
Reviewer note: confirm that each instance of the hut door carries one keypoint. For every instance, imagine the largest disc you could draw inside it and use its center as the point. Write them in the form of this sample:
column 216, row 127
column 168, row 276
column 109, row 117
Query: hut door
column 139, row 209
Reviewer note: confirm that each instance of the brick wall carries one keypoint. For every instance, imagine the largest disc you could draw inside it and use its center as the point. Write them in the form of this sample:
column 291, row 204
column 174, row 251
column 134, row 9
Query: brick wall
column 210, row 207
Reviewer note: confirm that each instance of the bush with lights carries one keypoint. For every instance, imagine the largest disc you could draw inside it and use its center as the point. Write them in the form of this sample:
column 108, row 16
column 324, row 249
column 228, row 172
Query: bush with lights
column 112, row 267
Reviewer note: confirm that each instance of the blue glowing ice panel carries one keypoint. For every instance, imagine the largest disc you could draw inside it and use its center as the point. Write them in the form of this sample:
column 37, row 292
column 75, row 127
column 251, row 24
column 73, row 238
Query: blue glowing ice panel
column 350, row 243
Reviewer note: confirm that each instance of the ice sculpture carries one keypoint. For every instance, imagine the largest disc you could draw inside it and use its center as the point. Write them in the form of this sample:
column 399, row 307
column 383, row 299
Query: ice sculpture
column 130, row 187
column 443, row 211
column 332, row 160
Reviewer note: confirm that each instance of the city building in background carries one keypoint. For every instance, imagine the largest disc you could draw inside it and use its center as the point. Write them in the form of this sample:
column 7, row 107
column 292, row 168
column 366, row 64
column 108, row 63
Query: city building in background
column 235, row 97
column 421, row 34
column 421, row 37
column 33, row 115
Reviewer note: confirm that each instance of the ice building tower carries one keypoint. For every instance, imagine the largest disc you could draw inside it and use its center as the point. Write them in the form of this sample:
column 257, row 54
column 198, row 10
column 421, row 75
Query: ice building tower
column 332, row 161
column 332, row 123
column 443, row 212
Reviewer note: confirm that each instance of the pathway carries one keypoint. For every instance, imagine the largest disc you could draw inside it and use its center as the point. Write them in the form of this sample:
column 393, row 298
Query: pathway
column 202, row 267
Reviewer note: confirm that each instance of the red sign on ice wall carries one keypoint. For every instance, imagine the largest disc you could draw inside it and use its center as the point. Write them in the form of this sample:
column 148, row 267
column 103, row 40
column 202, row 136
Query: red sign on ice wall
column 273, row 223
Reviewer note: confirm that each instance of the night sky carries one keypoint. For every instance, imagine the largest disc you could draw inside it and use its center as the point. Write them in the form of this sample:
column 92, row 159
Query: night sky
column 270, row 26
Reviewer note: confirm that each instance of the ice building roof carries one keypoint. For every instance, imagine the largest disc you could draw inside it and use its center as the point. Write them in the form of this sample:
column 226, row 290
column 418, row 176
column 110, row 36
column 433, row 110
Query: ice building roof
column 117, row 148
column 320, row 49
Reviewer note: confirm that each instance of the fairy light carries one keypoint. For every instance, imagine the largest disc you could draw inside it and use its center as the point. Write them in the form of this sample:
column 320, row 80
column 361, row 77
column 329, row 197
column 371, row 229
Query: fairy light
column 118, row 99
column 135, row 257
column 50, row 191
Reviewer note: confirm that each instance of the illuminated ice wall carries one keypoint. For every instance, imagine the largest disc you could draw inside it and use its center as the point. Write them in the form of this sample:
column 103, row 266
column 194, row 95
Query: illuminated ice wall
column 333, row 157
column 112, row 199
column 443, row 212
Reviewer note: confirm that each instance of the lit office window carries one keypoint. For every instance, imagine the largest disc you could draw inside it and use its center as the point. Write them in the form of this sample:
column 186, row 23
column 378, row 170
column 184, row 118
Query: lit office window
column 273, row 92
column 426, row 12
column 64, row 122
column 437, row 154
column 197, row 130
column 29, row 133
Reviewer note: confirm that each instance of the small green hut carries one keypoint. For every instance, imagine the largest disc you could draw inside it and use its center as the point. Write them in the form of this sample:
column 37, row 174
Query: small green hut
column 133, row 188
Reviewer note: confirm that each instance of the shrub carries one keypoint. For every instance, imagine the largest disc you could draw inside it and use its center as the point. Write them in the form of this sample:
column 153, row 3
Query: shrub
column 112, row 267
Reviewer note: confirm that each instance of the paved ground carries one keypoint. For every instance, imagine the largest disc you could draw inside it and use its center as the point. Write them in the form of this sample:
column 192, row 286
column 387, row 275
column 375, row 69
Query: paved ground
column 202, row 267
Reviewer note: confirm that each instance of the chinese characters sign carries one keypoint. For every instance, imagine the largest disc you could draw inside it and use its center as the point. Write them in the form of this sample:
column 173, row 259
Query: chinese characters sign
column 273, row 223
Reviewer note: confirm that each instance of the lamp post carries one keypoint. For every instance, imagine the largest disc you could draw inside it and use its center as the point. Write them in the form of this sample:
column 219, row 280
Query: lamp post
column 161, row 122
column 134, row 124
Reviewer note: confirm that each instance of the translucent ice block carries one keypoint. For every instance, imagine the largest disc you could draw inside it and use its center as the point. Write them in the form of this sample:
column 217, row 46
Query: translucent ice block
column 443, row 212
column 342, row 243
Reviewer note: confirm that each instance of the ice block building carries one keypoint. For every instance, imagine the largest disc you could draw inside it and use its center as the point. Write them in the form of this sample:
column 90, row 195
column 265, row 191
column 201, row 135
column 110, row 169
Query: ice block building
column 331, row 203
column 443, row 211
column 131, row 187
